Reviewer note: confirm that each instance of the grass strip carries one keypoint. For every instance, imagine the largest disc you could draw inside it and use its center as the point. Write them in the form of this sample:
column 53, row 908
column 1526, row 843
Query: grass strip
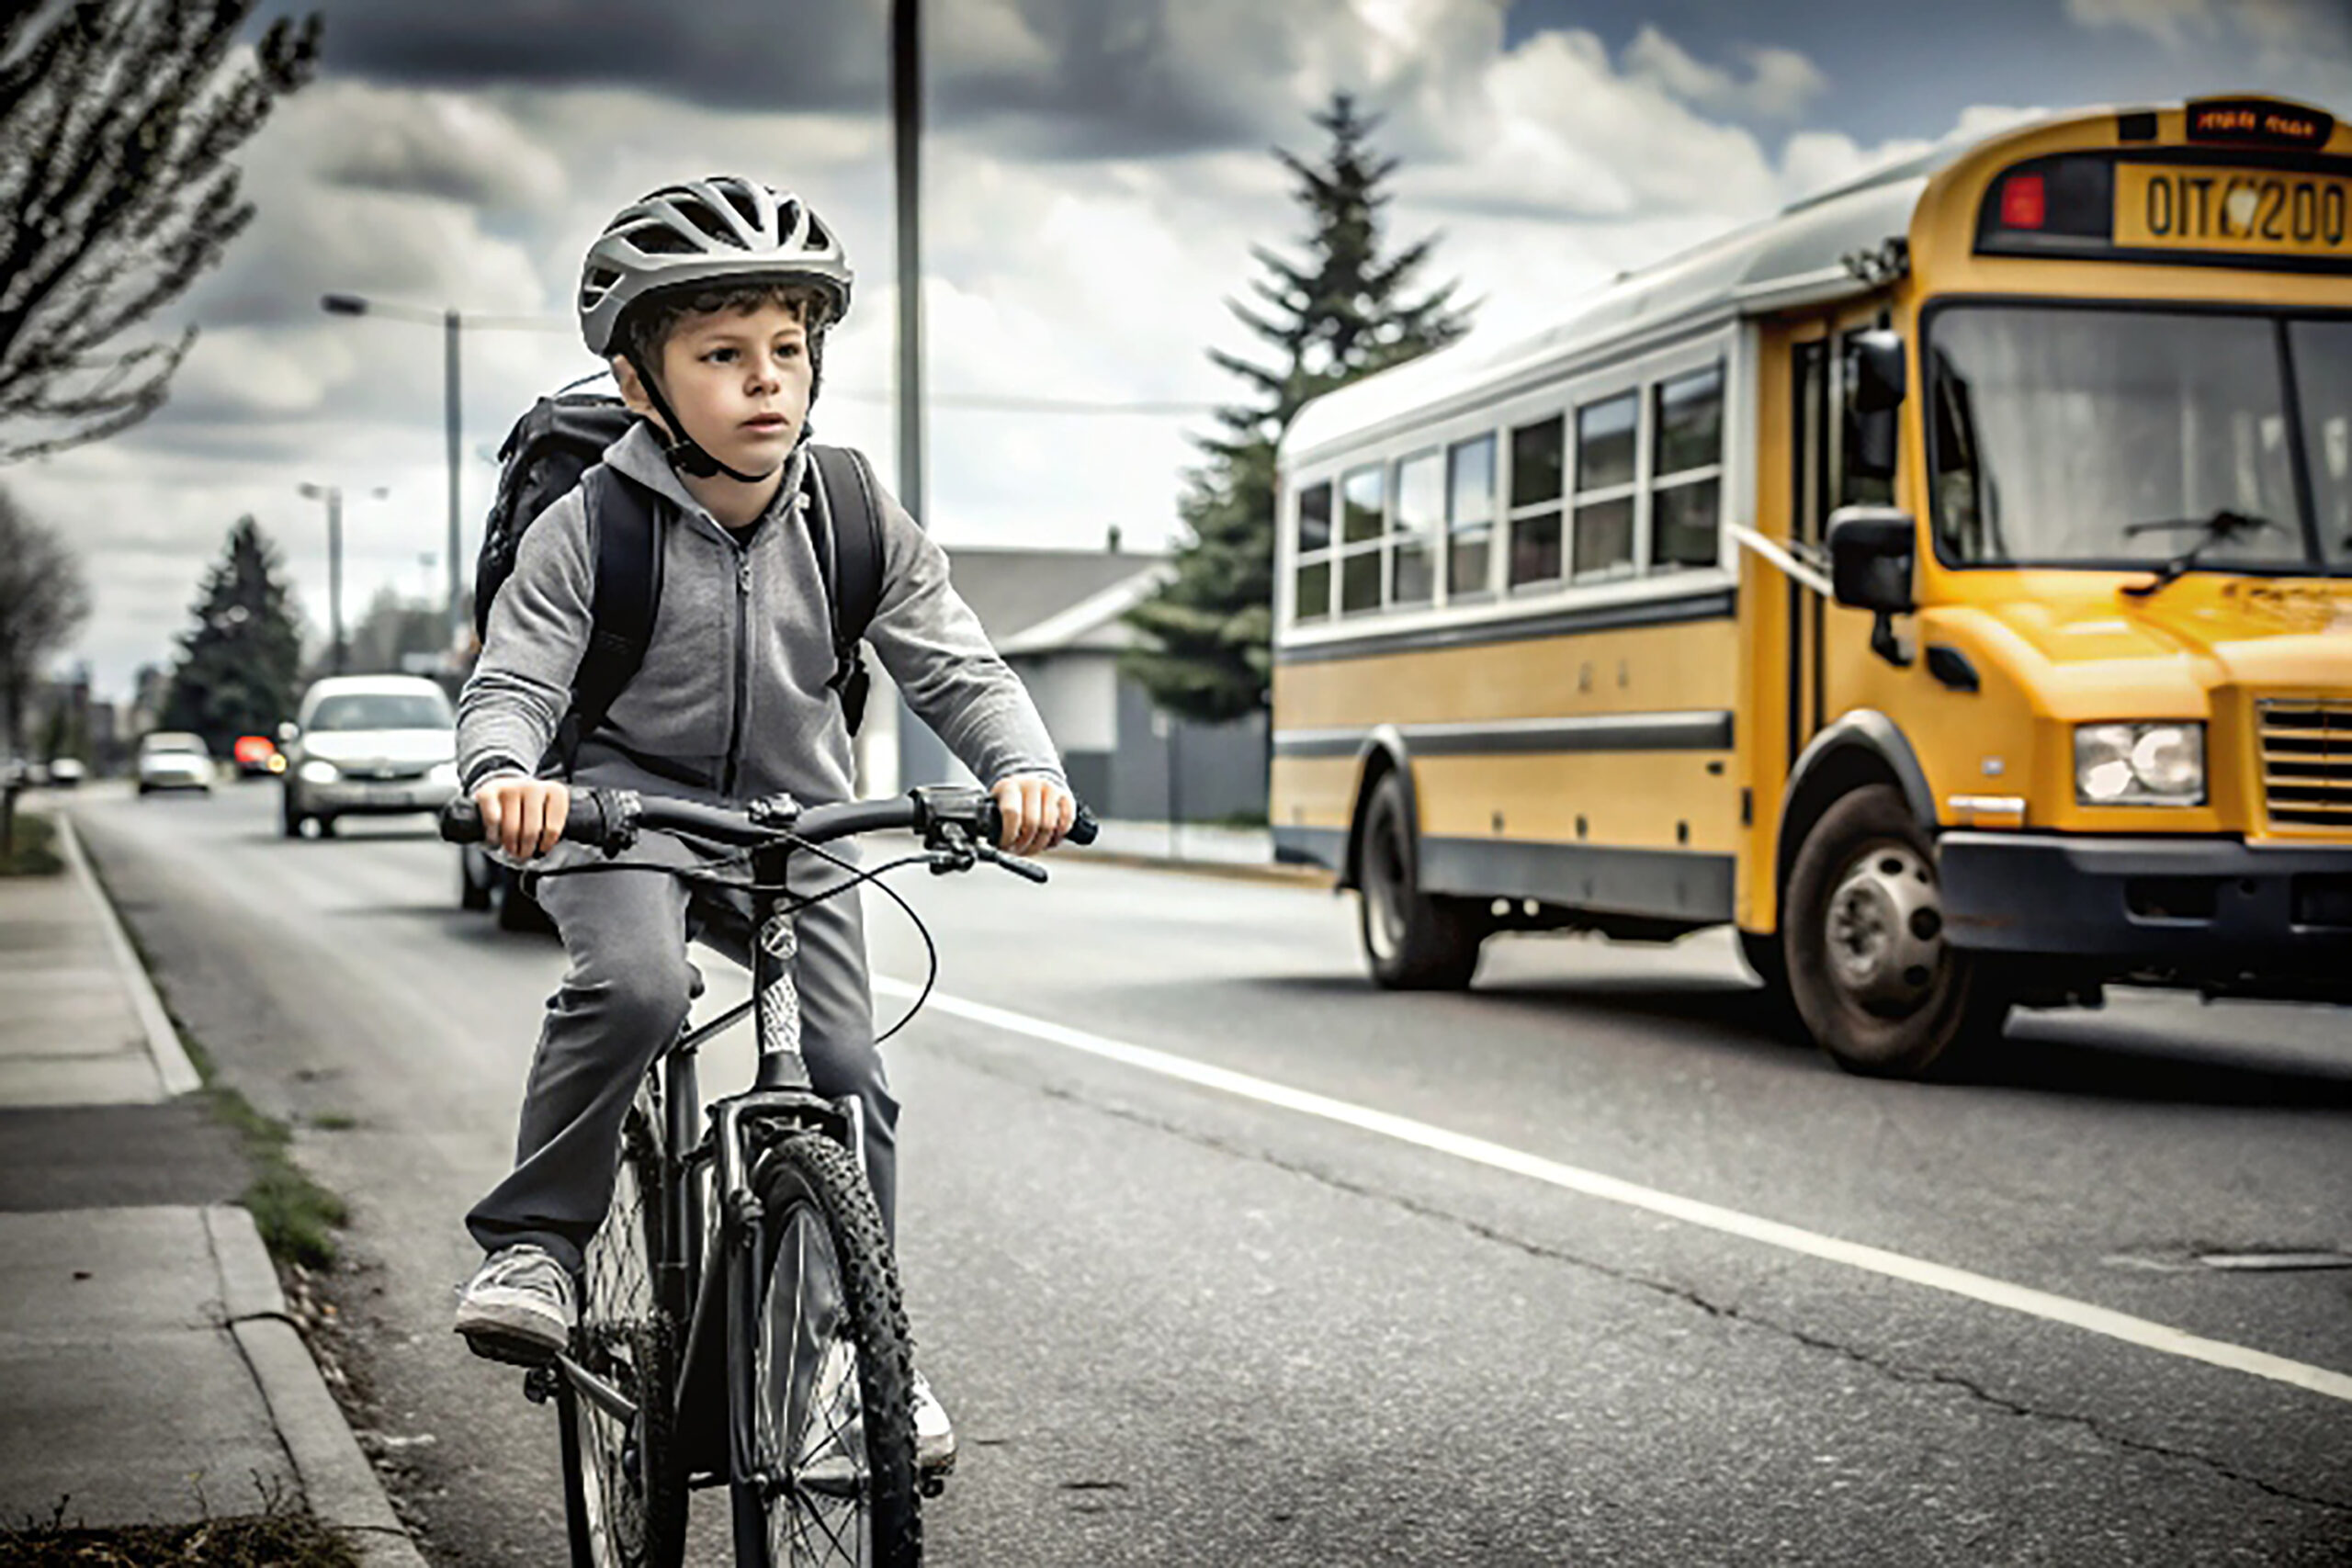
column 33, row 848
column 297, row 1217
column 283, row 1535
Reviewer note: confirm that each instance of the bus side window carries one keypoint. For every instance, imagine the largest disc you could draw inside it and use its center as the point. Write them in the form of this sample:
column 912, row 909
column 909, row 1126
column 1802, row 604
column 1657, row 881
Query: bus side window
column 1535, row 475
column 1686, row 469
column 1313, row 599
column 1363, row 529
column 1603, row 547
column 1856, row 485
column 1470, row 520
column 1419, row 525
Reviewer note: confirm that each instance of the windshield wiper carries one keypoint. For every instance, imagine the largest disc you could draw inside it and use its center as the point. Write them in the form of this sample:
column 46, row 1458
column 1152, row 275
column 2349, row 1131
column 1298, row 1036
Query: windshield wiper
column 2220, row 529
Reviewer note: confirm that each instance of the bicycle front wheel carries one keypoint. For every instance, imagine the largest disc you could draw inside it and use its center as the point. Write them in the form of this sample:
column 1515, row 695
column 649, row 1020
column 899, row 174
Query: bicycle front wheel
column 625, row 1494
column 829, row 1373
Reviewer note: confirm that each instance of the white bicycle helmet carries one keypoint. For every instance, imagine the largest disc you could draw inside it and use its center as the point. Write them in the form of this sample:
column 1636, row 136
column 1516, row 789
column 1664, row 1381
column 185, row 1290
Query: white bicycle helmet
column 719, row 230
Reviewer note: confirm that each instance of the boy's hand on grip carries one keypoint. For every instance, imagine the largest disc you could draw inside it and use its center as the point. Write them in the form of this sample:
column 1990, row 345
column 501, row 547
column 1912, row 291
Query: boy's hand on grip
column 1037, row 811
column 523, row 816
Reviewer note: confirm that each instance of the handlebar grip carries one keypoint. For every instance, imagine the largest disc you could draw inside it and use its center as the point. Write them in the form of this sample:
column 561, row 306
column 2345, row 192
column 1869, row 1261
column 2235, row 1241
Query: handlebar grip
column 1084, row 829
column 460, row 821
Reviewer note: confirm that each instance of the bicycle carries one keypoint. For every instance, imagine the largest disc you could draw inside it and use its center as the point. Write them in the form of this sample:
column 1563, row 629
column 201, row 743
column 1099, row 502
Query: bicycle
column 743, row 1269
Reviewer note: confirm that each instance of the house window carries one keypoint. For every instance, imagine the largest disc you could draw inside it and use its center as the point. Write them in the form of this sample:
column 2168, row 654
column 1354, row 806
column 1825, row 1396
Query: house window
column 1603, row 547
column 1470, row 520
column 1362, row 533
column 1420, row 524
column 1313, row 596
column 1686, row 470
column 1535, row 458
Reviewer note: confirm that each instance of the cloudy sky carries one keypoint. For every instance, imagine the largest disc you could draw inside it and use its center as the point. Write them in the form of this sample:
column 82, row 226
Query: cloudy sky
column 1094, row 178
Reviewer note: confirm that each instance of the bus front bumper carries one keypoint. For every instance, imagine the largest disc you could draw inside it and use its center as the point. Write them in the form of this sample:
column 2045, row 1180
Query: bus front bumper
column 2199, row 910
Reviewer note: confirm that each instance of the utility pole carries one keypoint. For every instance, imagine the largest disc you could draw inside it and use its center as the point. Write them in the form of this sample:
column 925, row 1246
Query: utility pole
column 906, row 114
column 451, row 323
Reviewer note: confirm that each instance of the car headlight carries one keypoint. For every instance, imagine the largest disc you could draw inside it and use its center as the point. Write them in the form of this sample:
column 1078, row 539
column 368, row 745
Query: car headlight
column 2140, row 764
column 319, row 771
column 443, row 776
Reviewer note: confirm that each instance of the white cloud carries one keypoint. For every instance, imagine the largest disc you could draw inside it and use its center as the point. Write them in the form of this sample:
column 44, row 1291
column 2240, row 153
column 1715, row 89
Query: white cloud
column 1780, row 83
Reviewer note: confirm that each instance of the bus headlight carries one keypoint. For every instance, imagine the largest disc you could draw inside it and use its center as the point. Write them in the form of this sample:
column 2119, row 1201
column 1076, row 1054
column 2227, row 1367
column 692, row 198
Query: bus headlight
column 2140, row 764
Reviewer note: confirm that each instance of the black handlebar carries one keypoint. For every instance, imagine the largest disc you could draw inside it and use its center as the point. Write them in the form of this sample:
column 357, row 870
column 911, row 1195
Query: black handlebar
column 611, row 818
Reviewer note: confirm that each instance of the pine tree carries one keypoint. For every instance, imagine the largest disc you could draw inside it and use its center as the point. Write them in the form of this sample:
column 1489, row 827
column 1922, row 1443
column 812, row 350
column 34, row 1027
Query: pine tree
column 238, row 664
column 1344, row 314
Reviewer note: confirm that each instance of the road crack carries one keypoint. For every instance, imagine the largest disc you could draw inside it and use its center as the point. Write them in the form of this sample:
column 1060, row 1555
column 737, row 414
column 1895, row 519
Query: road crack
column 1688, row 1295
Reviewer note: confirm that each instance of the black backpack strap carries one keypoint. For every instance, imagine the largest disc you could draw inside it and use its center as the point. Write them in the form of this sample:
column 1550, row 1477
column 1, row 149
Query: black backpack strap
column 624, row 523
column 845, row 527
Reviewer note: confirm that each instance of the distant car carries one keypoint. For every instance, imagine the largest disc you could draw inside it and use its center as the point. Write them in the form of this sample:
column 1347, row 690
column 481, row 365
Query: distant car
column 172, row 758
column 66, row 772
column 367, row 745
column 257, row 757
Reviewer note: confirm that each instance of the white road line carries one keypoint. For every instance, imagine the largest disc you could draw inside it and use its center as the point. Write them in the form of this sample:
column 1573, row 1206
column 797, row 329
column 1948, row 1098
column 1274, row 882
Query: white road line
column 1961, row 1282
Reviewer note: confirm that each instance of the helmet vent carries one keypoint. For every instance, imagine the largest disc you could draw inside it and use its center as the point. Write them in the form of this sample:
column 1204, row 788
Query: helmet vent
column 740, row 200
column 817, row 240
column 704, row 218
column 662, row 240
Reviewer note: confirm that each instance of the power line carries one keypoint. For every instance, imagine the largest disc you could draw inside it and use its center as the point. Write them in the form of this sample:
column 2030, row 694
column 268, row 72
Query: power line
column 1001, row 404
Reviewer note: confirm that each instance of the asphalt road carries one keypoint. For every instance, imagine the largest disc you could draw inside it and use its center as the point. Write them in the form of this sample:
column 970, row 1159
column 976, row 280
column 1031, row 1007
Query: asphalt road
column 1188, row 1322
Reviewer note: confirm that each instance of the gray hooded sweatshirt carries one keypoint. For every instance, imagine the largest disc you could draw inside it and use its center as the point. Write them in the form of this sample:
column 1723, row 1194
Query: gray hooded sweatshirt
column 732, row 702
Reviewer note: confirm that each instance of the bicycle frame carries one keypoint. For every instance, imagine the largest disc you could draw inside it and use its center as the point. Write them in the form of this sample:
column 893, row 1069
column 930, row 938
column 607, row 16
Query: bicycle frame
column 716, row 1297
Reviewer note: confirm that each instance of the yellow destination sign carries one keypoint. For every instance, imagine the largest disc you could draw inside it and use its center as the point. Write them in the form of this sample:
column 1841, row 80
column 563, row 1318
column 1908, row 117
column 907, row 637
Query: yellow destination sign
column 2239, row 211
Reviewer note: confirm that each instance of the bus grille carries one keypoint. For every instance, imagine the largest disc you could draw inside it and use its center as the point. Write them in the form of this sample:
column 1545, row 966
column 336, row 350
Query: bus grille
column 2307, row 762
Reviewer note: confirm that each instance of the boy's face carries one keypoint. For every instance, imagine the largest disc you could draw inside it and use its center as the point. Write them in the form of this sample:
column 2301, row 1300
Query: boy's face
column 739, row 381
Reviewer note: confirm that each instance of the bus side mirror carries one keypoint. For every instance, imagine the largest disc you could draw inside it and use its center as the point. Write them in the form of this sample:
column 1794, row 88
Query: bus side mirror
column 1876, row 387
column 1871, row 551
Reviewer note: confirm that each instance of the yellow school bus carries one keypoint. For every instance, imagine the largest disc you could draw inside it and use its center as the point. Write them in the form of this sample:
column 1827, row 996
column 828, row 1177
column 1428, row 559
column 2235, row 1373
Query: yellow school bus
column 1947, row 583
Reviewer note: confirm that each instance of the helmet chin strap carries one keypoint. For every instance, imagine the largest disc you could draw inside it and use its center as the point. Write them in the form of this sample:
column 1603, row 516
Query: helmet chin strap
column 685, row 453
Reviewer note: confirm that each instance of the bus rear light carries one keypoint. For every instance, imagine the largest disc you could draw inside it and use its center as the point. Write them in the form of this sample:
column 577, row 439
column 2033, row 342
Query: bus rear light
column 2024, row 202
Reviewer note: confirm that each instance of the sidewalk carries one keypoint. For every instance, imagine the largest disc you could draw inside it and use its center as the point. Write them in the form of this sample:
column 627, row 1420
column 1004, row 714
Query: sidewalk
column 149, row 1369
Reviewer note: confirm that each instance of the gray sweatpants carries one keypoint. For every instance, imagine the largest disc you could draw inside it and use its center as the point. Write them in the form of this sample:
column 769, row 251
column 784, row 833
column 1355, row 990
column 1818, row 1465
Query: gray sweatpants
column 622, row 1003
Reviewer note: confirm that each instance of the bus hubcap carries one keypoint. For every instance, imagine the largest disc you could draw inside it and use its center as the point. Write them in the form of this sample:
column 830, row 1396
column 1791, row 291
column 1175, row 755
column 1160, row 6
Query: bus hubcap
column 1886, row 930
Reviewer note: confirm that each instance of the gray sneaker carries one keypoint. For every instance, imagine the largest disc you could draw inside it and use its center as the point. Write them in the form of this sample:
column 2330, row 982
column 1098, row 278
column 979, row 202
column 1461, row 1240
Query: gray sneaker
column 517, row 1307
column 934, row 1434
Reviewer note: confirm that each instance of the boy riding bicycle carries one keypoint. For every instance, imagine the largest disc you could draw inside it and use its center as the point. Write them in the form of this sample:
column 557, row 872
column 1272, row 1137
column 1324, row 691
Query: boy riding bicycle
column 712, row 300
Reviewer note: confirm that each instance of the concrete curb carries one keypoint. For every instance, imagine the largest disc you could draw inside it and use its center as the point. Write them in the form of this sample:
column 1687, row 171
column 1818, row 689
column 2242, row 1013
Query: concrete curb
column 173, row 1068
column 338, row 1482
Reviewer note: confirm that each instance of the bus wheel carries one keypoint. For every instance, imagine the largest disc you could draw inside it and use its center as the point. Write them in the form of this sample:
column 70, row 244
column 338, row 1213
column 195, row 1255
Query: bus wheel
column 1868, row 969
column 1415, row 941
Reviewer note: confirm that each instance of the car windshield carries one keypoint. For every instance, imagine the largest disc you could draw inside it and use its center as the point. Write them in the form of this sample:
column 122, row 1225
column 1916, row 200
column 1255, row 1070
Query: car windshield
column 2067, row 437
column 157, row 744
column 382, row 710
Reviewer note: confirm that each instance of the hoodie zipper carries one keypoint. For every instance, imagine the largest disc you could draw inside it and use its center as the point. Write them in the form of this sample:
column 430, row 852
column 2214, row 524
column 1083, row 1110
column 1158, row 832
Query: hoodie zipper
column 742, row 667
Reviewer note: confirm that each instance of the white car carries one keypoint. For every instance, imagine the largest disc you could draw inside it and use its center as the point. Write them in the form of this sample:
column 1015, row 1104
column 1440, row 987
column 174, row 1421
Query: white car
column 66, row 772
column 367, row 745
column 172, row 758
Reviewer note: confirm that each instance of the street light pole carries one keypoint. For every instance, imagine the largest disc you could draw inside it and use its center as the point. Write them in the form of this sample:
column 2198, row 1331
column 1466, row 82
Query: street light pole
column 336, row 655
column 451, row 403
column 906, row 105
column 452, row 409
column 338, row 651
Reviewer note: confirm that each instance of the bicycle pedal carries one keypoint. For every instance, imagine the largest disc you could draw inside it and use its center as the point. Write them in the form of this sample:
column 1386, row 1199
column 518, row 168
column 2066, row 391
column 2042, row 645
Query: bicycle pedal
column 508, row 1351
column 540, row 1383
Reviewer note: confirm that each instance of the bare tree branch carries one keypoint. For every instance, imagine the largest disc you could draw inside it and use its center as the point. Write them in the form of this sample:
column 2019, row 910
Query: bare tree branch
column 118, row 119
column 44, row 599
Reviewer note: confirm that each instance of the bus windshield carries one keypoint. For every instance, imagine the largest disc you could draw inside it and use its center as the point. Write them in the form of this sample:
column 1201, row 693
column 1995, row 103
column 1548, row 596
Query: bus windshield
column 2073, row 436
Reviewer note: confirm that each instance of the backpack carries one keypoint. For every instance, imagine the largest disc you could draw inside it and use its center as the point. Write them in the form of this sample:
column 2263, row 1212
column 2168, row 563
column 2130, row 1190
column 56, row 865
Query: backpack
column 559, row 446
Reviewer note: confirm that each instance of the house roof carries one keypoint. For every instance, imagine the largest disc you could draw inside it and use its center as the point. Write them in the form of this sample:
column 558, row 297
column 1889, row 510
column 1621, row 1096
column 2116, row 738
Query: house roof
column 1015, row 591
